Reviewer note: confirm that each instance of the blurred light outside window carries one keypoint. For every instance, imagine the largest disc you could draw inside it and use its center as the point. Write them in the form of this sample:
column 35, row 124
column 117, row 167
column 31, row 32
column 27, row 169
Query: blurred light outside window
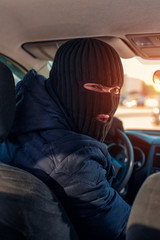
column 140, row 96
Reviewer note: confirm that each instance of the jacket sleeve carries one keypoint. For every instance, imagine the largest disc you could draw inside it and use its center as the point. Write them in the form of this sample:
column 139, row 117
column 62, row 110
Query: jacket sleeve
column 96, row 209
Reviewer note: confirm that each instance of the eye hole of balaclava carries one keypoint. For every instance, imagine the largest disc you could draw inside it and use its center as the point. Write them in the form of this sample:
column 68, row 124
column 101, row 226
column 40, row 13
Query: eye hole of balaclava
column 87, row 76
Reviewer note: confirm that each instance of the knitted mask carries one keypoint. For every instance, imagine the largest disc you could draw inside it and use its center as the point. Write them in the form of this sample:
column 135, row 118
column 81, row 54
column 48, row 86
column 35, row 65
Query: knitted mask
column 87, row 75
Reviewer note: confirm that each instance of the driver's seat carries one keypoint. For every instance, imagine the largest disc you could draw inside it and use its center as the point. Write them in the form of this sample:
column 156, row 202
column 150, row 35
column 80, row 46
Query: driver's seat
column 144, row 220
column 28, row 209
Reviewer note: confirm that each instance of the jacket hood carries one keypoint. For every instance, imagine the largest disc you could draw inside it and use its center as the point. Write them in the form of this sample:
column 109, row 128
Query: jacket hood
column 37, row 106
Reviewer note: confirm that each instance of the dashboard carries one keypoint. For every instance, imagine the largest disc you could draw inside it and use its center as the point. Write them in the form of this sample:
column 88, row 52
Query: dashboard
column 146, row 147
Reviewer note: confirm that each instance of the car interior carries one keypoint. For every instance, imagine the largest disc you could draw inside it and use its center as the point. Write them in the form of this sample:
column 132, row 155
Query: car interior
column 31, row 33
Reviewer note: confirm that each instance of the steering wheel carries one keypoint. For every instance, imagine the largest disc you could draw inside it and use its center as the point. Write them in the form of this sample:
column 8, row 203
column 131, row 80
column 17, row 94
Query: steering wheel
column 123, row 161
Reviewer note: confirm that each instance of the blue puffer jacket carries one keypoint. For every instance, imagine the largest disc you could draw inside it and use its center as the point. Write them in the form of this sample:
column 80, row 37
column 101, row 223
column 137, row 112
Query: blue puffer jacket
column 76, row 167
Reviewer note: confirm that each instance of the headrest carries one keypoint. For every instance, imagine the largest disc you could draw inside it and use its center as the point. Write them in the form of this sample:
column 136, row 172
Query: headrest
column 7, row 100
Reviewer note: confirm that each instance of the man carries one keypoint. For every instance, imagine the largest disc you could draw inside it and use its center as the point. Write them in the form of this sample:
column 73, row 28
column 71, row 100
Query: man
column 58, row 135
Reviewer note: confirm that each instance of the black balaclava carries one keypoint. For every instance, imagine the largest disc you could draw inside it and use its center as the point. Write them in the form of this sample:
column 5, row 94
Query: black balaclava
column 81, row 61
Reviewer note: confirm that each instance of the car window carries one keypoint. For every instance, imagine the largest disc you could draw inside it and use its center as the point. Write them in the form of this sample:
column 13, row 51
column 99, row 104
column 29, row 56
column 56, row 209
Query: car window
column 17, row 70
column 139, row 106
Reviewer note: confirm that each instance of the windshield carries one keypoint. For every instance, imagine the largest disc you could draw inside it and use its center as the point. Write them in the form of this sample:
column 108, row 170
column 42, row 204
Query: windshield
column 140, row 97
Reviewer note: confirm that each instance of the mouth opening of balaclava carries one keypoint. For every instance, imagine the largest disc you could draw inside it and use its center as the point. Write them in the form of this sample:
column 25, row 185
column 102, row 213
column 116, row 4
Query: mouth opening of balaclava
column 81, row 61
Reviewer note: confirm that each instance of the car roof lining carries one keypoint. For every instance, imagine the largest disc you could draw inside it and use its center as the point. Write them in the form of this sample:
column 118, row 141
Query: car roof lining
column 31, row 21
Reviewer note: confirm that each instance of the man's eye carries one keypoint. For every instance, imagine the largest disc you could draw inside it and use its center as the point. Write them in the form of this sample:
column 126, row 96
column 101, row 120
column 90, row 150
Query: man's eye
column 115, row 90
column 93, row 87
column 96, row 87
column 102, row 89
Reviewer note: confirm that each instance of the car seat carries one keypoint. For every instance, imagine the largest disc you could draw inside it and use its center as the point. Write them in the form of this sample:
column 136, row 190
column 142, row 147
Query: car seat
column 28, row 209
column 144, row 220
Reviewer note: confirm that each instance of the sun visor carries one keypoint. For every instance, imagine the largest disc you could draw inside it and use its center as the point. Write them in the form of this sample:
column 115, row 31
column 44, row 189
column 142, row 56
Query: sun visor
column 46, row 50
column 146, row 45
column 42, row 50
